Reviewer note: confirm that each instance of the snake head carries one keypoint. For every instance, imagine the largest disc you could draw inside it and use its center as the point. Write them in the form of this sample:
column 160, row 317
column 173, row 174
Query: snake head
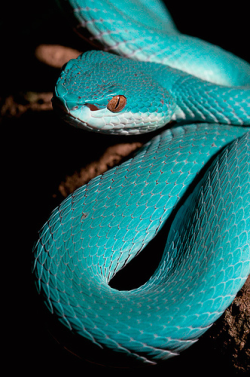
column 106, row 93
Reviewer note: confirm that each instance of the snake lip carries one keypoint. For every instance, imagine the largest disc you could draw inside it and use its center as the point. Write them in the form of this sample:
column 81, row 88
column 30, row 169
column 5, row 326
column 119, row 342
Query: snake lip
column 77, row 115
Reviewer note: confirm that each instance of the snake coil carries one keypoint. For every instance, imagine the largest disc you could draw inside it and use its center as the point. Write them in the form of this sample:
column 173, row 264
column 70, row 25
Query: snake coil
column 104, row 224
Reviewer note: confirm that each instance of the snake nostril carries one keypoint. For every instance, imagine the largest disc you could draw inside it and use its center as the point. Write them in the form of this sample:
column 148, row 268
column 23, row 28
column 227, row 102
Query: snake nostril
column 92, row 107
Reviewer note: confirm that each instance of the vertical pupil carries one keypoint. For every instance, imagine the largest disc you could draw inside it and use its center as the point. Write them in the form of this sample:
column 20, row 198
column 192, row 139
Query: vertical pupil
column 117, row 104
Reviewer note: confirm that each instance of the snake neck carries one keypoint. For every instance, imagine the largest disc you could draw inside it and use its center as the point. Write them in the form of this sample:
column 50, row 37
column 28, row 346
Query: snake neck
column 199, row 100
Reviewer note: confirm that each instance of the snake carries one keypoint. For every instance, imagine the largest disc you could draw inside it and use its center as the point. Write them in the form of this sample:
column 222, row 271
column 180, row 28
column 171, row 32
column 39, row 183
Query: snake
column 191, row 181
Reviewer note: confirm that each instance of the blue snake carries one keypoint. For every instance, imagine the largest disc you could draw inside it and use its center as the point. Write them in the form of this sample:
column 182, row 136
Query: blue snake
column 195, row 172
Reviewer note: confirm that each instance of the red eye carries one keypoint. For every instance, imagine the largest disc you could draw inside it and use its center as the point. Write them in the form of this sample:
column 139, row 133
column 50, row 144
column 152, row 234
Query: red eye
column 116, row 104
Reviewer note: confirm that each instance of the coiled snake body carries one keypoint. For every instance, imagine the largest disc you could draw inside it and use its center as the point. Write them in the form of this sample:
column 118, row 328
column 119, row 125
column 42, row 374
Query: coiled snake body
column 163, row 76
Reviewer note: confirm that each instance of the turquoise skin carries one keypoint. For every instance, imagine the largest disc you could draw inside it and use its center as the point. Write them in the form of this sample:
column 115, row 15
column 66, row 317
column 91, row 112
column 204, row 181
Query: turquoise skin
column 99, row 228
column 127, row 29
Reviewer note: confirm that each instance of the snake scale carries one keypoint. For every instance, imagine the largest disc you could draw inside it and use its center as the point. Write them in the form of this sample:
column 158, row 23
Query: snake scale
column 196, row 171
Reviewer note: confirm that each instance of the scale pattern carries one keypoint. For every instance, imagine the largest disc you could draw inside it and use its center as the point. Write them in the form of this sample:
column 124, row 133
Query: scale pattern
column 104, row 224
column 121, row 28
column 198, row 173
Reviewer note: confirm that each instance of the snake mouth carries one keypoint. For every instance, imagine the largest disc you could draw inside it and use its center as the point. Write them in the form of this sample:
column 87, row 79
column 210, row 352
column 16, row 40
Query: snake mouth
column 61, row 107
column 85, row 116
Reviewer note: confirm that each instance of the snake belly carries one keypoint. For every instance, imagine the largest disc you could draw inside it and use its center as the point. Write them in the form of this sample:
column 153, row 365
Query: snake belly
column 199, row 175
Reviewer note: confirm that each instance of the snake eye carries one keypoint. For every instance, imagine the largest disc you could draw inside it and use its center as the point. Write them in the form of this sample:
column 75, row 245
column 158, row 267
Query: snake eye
column 116, row 104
